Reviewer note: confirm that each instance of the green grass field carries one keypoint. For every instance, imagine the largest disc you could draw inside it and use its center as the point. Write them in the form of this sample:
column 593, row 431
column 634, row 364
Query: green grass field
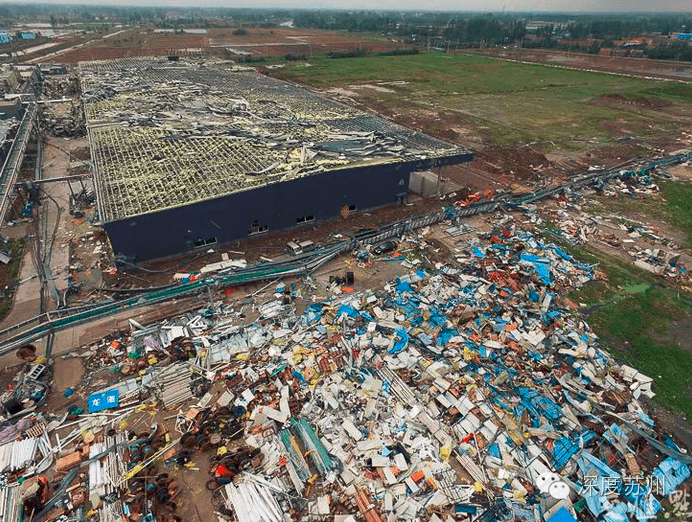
column 640, row 320
column 679, row 206
column 509, row 102
column 637, row 331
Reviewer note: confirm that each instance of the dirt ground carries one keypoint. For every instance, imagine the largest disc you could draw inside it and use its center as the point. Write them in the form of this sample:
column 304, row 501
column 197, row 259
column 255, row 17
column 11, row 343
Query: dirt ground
column 627, row 66
column 255, row 42
column 34, row 48
column 282, row 41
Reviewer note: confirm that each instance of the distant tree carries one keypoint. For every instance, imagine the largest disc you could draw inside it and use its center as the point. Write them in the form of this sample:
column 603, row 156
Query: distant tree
column 546, row 31
column 672, row 51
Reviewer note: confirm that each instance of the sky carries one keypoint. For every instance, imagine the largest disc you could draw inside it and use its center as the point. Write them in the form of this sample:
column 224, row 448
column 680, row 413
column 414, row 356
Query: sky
column 535, row 6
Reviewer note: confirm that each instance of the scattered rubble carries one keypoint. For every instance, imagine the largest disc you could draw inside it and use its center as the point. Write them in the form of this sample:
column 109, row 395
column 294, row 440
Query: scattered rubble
column 464, row 390
column 645, row 245
column 63, row 120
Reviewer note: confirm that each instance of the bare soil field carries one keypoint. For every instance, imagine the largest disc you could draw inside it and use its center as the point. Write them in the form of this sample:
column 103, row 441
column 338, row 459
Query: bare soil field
column 282, row 41
column 135, row 42
column 634, row 66
column 254, row 42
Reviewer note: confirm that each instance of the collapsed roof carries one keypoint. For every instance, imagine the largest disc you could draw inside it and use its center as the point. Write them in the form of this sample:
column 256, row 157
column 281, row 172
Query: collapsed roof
column 165, row 134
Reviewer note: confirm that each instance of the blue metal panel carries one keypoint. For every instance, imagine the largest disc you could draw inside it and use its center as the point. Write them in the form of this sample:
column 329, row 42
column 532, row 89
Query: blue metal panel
column 562, row 515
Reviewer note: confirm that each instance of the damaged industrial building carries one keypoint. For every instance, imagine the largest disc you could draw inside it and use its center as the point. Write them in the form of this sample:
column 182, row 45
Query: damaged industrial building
column 187, row 154
column 442, row 361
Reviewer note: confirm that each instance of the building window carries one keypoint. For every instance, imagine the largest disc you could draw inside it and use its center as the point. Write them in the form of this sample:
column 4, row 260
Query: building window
column 257, row 228
column 305, row 219
column 200, row 242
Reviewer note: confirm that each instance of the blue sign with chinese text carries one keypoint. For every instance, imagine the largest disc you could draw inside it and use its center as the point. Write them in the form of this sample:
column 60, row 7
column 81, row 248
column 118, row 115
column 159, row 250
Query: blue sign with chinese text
column 103, row 401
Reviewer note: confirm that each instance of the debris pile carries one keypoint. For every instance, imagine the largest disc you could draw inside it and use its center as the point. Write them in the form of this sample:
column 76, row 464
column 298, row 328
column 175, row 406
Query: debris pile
column 461, row 391
column 644, row 245
column 62, row 86
column 63, row 120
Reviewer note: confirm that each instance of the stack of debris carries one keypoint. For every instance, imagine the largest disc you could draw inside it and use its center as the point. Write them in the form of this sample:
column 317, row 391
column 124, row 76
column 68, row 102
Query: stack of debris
column 465, row 392
column 461, row 391
column 645, row 245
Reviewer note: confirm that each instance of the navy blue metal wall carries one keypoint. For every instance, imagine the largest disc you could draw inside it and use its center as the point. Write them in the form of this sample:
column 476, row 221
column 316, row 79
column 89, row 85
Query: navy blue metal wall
column 276, row 206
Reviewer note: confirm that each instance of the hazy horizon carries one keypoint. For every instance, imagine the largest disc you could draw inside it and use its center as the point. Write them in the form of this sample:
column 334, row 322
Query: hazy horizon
column 510, row 6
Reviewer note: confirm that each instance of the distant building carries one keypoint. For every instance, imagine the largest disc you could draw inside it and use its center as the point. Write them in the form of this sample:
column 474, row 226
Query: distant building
column 9, row 79
column 9, row 108
column 53, row 68
column 632, row 44
column 5, row 37
column 533, row 26
column 683, row 36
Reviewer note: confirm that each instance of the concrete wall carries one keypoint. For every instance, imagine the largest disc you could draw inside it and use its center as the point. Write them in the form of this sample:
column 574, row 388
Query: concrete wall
column 276, row 206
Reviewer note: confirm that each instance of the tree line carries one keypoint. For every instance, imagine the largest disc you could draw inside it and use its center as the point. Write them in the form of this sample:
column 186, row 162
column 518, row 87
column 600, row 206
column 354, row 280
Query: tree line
column 433, row 28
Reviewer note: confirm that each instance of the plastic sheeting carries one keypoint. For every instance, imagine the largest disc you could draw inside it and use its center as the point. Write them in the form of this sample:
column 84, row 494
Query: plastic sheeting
column 540, row 265
column 599, row 481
